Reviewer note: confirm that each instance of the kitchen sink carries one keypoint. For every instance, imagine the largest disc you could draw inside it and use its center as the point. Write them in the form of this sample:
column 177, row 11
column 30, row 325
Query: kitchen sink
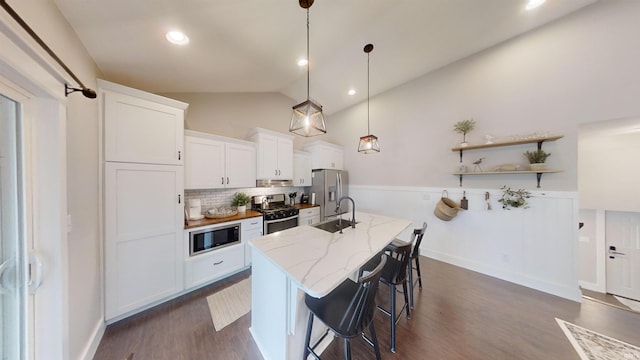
column 333, row 225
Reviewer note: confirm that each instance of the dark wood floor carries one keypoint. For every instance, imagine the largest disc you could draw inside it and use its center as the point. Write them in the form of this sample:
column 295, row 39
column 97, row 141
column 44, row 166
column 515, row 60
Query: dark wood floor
column 459, row 314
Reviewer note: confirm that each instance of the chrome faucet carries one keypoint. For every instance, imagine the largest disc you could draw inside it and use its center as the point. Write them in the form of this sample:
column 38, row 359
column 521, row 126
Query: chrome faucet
column 353, row 214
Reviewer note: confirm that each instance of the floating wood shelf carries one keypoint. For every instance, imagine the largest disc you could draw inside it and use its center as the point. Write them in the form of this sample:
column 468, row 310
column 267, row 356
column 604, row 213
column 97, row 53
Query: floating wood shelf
column 538, row 141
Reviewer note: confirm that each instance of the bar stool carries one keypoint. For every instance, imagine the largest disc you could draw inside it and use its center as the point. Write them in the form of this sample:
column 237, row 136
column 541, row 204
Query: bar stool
column 394, row 273
column 416, row 240
column 347, row 310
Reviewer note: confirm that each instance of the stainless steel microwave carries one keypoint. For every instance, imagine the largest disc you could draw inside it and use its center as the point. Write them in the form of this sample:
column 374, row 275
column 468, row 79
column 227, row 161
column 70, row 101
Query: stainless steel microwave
column 205, row 240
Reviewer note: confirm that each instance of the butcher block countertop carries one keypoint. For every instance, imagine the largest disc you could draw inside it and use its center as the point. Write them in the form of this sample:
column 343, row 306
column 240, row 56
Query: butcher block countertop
column 305, row 206
column 206, row 221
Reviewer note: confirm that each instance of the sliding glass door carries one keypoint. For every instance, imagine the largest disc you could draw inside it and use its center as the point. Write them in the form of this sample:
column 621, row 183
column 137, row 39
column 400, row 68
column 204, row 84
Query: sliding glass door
column 14, row 312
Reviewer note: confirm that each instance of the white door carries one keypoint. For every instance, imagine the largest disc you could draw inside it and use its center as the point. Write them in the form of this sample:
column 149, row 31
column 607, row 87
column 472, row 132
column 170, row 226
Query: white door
column 144, row 214
column 204, row 164
column 623, row 253
column 240, row 166
column 141, row 131
column 285, row 158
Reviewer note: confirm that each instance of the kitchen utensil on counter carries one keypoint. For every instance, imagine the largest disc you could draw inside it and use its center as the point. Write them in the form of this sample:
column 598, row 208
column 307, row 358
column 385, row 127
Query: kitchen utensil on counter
column 486, row 200
column 464, row 203
column 292, row 198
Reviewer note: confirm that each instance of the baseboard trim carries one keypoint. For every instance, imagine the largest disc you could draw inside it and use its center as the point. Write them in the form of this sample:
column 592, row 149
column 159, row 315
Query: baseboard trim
column 92, row 347
column 519, row 279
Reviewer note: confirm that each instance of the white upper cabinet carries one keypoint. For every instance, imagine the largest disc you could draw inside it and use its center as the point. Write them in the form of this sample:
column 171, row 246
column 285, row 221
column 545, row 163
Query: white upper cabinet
column 216, row 162
column 140, row 127
column 325, row 155
column 275, row 154
column 301, row 169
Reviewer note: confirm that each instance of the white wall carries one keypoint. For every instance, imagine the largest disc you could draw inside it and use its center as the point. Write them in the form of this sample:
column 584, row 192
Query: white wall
column 608, row 170
column 575, row 71
column 84, row 282
column 580, row 69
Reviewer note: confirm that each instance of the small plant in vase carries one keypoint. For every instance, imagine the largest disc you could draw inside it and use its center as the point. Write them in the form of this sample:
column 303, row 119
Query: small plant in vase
column 537, row 159
column 240, row 201
column 464, row 127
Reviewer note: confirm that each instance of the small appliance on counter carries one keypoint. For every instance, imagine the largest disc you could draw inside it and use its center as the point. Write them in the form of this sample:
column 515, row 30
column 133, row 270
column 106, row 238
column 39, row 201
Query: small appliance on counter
column 304, row 199
column 194, row 209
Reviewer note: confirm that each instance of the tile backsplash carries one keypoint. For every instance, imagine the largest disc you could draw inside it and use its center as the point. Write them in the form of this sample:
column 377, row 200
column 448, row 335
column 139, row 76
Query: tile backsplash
column 211, row 198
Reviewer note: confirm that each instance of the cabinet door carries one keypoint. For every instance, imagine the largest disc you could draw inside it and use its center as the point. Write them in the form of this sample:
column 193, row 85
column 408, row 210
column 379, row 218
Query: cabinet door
column 141, row 131
column 267, row 156
column 301, row 170
column 204, row 164
column 251, row 229
column 240, row 166
column 143, row 233
column 285, row 159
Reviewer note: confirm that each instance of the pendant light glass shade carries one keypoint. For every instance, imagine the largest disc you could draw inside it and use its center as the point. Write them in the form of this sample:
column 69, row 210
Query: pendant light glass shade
column 368, row 143
column 307, row 119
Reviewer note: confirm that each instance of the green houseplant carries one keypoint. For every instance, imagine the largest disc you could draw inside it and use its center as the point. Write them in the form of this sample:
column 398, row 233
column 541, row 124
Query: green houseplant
column 537, row 159
column 514, row 198
column 240, row 200
column 464, row 127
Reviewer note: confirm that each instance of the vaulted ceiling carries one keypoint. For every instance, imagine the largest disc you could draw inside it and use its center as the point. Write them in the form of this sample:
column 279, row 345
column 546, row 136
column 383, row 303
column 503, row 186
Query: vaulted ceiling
column 254, row 45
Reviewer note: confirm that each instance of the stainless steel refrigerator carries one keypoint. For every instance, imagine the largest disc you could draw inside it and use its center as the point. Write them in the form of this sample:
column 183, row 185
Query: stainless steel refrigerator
column 329, row 186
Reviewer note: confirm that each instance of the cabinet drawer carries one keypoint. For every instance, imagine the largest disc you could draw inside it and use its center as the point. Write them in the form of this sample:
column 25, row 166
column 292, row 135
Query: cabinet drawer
column 218, row 263
column 310, row 212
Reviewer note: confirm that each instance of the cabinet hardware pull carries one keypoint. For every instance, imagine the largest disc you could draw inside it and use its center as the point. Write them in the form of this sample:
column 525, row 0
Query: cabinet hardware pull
column 218, row 263
column 276, row 172
column 222, row 180
column 179, row 200
column 227, row 180
column 179, row 155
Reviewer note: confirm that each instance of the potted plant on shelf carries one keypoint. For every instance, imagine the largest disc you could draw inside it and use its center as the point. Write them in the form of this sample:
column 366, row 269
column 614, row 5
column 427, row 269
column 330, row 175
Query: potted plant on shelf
column 240, row 201
column 464, row 127
column 537, row 159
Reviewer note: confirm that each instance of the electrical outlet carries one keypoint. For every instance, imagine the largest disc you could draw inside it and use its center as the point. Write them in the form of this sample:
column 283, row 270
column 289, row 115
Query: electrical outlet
column 505, row 258
column 426, row 197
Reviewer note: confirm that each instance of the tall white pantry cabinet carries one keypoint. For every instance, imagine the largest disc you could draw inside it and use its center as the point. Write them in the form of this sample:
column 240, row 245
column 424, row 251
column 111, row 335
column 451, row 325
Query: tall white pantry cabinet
column 143, row 197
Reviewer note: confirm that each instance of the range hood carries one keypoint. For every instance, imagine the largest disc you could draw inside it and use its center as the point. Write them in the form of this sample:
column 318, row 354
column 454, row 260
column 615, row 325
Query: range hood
column 273, row 183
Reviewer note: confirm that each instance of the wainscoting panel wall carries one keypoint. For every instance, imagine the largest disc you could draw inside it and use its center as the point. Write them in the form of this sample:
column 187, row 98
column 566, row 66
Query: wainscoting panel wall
column 535, row 247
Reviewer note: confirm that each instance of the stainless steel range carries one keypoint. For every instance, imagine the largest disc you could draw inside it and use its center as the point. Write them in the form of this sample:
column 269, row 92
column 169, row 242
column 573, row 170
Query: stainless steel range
column 276, row 214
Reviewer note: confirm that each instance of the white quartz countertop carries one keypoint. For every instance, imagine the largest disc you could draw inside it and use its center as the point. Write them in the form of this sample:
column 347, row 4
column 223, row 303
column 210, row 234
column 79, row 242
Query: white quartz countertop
column 319, row 260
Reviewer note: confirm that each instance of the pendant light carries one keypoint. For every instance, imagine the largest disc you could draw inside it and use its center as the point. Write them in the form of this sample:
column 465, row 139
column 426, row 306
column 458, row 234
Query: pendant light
column 307, row 119
column 368, row 143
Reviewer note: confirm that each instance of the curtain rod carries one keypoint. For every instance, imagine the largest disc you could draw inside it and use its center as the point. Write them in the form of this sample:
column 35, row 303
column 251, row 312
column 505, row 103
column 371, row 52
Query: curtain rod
column 67, row 89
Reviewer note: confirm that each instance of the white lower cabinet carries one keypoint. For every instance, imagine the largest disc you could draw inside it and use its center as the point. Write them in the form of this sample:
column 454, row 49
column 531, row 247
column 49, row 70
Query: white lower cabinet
column 203, row 268
column 309, row 216
column 250, row 229
column 143, row 235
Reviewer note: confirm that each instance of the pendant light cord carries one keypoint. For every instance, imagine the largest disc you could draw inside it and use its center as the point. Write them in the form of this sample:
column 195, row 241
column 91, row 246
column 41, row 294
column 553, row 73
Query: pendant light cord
column 308, row 60
column 368, row 130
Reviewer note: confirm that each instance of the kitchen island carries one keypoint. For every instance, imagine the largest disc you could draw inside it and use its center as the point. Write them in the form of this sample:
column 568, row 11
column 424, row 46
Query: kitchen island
column 305, row 259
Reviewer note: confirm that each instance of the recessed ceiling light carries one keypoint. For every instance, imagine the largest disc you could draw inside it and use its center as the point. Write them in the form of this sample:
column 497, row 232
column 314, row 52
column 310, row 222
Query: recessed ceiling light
column 351, row 92
column 532, row 4
column 177, row 37
column 302, row 62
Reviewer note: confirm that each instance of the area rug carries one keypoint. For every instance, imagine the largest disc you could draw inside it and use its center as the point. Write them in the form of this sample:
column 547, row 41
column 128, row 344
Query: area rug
column 228, row 305
column 591, row 345
column 631, row 304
